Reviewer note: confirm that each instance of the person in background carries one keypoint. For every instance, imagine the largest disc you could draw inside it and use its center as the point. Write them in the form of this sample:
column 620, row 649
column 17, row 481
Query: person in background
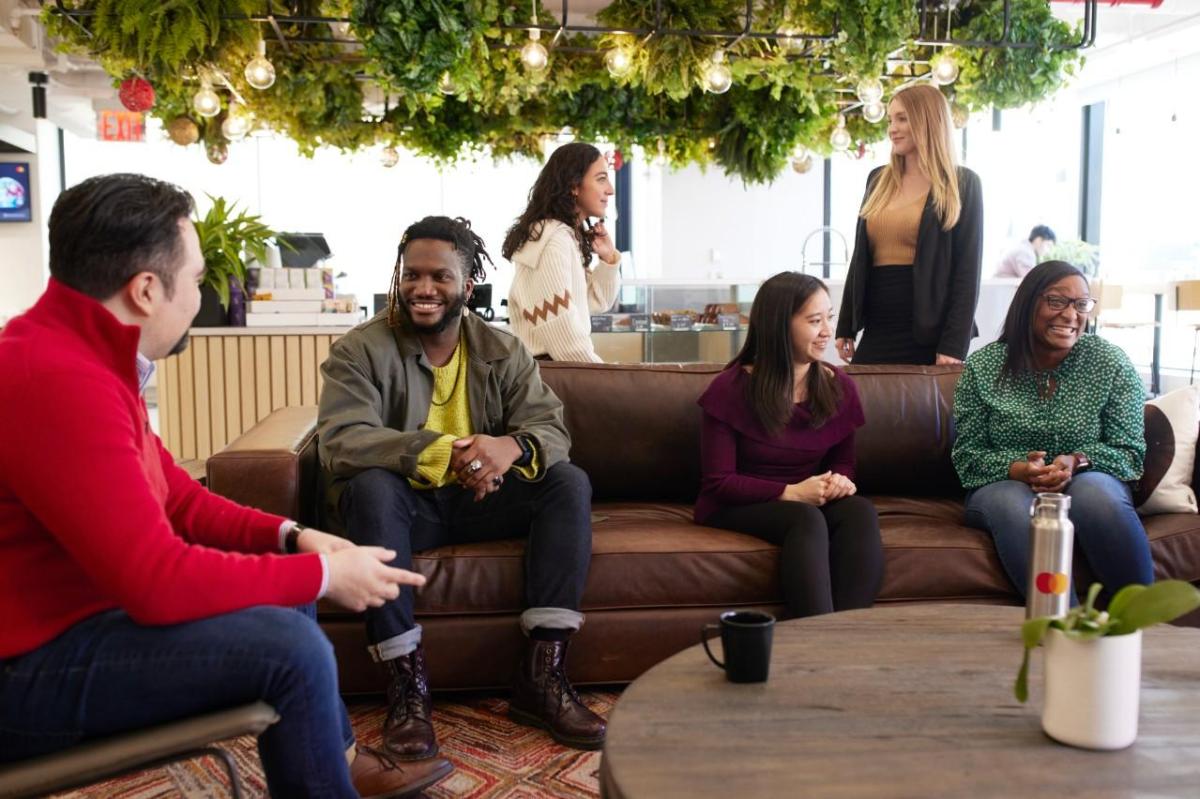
column 913, row 281
column 1025, row 255
column 1048, row 408
column 130, row 595
column 777, row 452
column 556, row 289
column 435, row 428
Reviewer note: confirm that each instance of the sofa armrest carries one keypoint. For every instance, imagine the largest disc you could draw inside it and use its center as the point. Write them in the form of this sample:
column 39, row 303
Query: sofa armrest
column 272, row 466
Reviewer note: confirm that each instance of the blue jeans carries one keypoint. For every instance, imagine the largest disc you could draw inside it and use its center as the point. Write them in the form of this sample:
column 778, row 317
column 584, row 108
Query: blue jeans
column 380, row 508
column 1107, row 528
column 107, row 675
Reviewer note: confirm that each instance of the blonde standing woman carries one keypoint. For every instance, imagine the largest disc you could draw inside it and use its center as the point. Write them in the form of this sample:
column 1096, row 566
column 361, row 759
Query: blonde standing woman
column 556, row 289
column 913, row 281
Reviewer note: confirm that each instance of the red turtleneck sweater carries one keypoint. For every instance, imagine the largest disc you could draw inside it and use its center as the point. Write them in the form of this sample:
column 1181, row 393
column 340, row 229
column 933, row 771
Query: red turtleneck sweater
column 94, row 513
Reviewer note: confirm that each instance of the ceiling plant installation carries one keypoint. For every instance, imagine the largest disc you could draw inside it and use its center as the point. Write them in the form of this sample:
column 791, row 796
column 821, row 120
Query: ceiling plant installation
column 750, row 86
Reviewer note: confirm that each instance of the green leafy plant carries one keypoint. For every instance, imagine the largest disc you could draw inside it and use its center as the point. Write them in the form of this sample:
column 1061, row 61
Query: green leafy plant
column 1133, row 608
column 781, row 98
column 1078, row 253
column 226, row 237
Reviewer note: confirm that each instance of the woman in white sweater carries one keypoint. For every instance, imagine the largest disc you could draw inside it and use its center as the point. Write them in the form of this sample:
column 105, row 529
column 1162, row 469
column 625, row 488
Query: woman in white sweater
column 555, row 289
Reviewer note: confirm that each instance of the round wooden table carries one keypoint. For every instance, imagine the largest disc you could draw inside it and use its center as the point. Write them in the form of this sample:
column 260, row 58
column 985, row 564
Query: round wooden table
column 909, row 701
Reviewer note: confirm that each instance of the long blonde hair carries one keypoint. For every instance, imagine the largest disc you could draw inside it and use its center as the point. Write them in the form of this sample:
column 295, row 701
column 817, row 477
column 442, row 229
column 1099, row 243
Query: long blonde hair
column 932, row 132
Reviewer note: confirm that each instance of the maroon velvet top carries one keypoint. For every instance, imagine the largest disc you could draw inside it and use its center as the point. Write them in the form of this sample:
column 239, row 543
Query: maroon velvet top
column 742, row 464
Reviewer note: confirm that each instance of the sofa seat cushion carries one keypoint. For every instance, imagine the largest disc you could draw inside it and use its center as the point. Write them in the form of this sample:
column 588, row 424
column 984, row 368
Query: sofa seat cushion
column 1175, row 543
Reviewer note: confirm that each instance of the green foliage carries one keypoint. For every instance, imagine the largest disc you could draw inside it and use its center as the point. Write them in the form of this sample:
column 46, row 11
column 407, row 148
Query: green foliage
column 1133, row 608
column 782, row 98
column 1081, row 254
column 225, row 238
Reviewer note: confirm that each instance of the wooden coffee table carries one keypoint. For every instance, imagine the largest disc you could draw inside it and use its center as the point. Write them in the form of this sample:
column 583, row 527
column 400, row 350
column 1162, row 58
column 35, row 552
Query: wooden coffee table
column 910, row 701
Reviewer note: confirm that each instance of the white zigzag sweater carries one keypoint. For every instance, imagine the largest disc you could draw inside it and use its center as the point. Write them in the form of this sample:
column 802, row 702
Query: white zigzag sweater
column 553, row 296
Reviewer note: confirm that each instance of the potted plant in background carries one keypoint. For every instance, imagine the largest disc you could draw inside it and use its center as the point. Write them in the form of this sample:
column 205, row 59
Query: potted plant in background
column 1093, row 664
column 227, row 237
column 1081, row 254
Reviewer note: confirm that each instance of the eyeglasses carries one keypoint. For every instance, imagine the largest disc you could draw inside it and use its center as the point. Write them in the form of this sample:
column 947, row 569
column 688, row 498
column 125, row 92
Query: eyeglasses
column 1059, row 303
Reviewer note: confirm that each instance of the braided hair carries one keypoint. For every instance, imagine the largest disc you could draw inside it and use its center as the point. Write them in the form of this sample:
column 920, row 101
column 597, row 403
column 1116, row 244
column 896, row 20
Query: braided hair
column 457, row 231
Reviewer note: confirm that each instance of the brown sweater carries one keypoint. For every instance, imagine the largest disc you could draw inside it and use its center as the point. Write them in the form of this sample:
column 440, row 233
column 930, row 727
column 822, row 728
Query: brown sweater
column 893, row 233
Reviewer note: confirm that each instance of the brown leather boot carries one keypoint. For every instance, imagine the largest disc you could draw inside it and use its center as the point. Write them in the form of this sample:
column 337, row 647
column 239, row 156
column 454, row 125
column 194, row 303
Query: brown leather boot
column 408, row 729
column 376, row 775
column 543, row 697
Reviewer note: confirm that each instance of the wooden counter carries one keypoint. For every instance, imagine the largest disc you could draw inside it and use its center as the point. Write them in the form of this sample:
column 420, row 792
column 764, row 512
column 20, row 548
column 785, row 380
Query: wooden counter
column 231, row 377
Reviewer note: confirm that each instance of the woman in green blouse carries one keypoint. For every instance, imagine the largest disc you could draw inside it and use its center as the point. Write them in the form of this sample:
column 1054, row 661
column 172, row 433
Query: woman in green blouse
column 1047, row 408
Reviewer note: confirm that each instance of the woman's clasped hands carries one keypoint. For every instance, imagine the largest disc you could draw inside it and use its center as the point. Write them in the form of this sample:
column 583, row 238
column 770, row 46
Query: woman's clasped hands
column 819, row 489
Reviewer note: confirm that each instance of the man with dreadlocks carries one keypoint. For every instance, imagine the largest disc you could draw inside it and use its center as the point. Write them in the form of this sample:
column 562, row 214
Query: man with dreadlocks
column 434, row 429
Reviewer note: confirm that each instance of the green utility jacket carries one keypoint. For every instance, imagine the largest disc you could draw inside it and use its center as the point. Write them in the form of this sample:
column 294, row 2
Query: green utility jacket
column 377, row 391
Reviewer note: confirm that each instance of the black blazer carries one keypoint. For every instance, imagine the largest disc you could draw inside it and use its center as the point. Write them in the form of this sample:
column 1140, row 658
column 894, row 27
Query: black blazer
column 946, row 273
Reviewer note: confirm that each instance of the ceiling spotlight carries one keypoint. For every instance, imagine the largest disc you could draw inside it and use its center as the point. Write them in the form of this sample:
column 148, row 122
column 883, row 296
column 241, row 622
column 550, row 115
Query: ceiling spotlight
column 389, row 157
column 840, row 138
column 237, row 121
column 260, row 73
column 717, row 76
column 944, row 70
column 206, row 102
column 874, row 112
column 446, row 85
column 618, row 62
column 533, row 54
column 869, row 90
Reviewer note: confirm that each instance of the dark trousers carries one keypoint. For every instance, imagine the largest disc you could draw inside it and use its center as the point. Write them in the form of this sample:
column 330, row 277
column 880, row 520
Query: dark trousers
column 380, row 508
column 832, row 556
column 108, row 675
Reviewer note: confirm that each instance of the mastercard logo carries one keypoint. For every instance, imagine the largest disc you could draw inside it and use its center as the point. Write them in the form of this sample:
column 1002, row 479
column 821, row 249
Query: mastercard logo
column 1052, row 583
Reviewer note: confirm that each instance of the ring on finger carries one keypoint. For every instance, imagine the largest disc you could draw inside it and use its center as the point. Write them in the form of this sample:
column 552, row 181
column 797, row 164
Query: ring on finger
column 498, row 480
column 474, row 466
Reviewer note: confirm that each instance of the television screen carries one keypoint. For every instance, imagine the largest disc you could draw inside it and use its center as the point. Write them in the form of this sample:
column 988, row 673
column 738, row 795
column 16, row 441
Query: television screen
column 15, row 199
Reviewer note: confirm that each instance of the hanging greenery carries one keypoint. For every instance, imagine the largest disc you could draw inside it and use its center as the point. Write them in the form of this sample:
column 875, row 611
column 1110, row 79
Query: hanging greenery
column 786, row 94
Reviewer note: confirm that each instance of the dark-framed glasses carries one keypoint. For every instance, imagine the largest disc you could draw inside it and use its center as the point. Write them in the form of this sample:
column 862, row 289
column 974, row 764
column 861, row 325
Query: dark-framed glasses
column 1058, row 302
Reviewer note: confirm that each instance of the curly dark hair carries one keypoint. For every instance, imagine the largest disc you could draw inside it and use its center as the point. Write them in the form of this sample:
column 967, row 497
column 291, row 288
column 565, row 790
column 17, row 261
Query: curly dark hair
column 457, row 231
column 551, row 198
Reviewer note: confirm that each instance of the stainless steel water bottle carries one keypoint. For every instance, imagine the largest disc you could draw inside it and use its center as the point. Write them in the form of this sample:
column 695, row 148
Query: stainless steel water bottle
column 1051, row 544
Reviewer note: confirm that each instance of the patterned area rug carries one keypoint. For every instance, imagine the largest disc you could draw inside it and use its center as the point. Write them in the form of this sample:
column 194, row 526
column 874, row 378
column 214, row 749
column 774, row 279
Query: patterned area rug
column 493, row 758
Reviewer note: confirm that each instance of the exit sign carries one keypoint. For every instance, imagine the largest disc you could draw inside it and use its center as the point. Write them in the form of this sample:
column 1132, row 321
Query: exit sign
column 120, row 126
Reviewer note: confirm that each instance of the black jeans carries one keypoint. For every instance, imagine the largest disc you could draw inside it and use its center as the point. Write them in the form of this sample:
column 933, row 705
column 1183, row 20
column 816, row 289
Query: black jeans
column 832, row 556
column 381, row 509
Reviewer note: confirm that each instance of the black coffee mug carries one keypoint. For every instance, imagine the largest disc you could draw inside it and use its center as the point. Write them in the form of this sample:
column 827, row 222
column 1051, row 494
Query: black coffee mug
column 746, row 639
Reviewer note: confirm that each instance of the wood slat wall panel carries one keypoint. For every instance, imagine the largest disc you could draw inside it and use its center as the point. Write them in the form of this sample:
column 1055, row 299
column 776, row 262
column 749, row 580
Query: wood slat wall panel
column 221, row 386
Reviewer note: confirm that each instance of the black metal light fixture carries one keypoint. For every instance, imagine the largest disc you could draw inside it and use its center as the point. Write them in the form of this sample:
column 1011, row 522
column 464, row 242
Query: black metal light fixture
column 39, row 80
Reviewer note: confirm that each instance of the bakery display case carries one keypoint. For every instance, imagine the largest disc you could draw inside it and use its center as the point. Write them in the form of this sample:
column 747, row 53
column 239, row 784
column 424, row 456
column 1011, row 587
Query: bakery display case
column 656, row 322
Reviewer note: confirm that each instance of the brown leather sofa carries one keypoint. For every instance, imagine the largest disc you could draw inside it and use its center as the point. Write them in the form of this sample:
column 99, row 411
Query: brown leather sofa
column 656, row 577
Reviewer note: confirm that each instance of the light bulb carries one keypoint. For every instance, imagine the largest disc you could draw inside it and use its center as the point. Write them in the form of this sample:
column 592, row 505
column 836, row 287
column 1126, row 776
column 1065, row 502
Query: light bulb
column 446, row 85
column 660, row 158
column 206, row 102
column 533, row 55
column 260, row 73
column 944, row 69
column 790, row 43
column 840, row 138
column 389, row 157
column 237, row 121
column 717, row 75
column 618, row 62
column 874, row 112
column 869, row 90
column 802, row 161
column 959, row 115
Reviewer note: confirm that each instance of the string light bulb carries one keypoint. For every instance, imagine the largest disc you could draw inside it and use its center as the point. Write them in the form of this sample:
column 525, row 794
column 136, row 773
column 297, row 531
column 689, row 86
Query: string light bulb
column 944, row 69
column 446, row 85
column 790, row 41
column 206, row 102
column 874, row 112
column 260, row 73
column 840, row 138
column 717, row 76
column 618, row 62
column 802, row 161
column 237, row 121
column 389, row 157
column 869, row 90
column 533, row 55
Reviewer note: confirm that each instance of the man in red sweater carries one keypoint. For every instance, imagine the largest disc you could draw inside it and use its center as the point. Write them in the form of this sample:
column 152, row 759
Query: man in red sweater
column 130, row 595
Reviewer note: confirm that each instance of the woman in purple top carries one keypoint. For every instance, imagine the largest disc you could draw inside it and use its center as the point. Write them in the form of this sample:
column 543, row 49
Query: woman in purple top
column 777, row 452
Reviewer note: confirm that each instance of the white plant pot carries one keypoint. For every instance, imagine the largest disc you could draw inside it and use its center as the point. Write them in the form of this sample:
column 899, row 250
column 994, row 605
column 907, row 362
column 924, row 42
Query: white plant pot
column 1092, row 689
